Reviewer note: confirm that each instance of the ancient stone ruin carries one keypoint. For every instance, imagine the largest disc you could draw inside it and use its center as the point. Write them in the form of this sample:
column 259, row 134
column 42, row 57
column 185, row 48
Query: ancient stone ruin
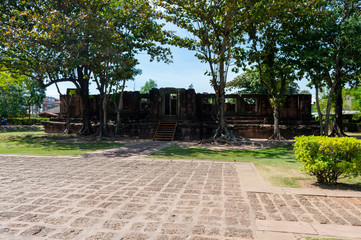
column 248, row 115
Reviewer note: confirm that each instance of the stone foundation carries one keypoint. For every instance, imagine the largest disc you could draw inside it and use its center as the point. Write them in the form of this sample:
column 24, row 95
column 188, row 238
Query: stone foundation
column 59, row 127
column 187, row 131
column 247, row 115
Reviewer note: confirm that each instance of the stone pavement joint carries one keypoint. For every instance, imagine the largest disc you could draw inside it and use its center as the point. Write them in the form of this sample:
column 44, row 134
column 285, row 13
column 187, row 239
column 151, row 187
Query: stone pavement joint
column 119, row 194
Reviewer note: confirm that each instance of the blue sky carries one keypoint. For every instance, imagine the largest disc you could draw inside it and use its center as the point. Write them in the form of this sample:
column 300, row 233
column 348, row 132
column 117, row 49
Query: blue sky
column 185, row 70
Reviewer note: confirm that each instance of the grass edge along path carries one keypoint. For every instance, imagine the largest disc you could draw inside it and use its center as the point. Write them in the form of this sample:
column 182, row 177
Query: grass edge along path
column 277, row 165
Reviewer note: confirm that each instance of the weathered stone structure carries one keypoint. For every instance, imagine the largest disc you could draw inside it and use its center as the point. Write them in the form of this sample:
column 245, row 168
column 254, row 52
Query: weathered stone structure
column 248, row 115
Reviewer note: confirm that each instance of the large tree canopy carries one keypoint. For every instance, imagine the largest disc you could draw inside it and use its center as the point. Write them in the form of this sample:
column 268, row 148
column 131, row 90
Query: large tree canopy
column 249, row 82
column 17, row 94
column 267, row 25
column 326, row 46
column 54, row 41
column 217, row 31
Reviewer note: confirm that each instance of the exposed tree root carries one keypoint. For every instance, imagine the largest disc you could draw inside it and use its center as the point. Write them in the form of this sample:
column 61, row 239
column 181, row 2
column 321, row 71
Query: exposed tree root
column 232, row 141
column 67, row 131
column 277, row 137
column 337, row 132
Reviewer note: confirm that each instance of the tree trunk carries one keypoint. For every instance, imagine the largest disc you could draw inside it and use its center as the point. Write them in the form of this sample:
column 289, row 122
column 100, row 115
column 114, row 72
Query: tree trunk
column 119, row 107
column 222, row 126
column 67, row 105
column 276, row 124
column 222, row 130
column 332, row 86
column 84, row 94
column 29, row 114
column 328, row 110
column 100, row 132
column 337, row 129
column 86, row 127
column 320, row 115
column 117, row 126
column 104, row 108
column 67, row 121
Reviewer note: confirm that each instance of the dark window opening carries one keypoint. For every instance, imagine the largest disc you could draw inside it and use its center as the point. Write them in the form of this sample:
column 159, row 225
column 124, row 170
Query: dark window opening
column 230, row 105
column 250, row 105
column 207, row 104
column 170, row 104
column 127, row 104
column 144, row 105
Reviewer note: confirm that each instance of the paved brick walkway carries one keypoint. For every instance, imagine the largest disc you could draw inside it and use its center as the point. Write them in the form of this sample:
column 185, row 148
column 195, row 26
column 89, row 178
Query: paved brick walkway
column 117, row 195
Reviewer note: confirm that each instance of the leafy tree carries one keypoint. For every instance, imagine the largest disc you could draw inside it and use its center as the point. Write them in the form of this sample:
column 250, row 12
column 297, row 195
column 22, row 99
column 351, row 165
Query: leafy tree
column 217, row 30
column 12, row 99
column 249, row 82
column 114, row 60
column 49, row 42
column 118, row 91
column 327, row 46
column 54, row 41
column 34, row 94
column 305, row 92
column 268, row 23
column 148, row 86
column 356, row 101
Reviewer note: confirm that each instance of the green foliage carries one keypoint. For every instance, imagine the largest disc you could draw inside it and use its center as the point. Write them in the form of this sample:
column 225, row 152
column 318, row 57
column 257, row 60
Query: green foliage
column 249, row 82
column 268, row 24
column 26, row 121
column 216, row 31
column 356, row 101
column 305, row 92
column 18, row 92
column 34, row 93
column 58, row 40
column 12, row 99
column 148, row 86
column 329, row 158
column 326, row 48
column 79, row 41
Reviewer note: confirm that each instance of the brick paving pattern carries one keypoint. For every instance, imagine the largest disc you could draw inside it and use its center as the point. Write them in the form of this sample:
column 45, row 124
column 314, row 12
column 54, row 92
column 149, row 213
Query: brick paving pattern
column 118, row 194
column 115, row 198
column 304, row 208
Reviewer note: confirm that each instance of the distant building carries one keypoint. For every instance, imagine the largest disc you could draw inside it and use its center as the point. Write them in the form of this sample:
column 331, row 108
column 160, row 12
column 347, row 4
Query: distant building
column 49, row 103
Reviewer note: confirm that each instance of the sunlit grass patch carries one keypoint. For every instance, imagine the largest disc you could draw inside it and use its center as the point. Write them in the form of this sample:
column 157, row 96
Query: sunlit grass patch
column 38, row 143
column 278, row 164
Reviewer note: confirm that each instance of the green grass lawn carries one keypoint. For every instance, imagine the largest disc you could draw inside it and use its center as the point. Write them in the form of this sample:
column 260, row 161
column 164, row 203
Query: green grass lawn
column 278, row 165
column 39, row 143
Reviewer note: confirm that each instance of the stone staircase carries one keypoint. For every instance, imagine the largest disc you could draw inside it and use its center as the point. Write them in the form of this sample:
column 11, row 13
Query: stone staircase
column 165, row 131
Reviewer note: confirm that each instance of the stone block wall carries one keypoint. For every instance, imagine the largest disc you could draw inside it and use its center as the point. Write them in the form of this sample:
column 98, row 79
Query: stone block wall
column 196, row 113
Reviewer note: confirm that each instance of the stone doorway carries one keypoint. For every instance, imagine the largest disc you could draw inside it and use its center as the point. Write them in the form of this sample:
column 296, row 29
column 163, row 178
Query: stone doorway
column 170, row 104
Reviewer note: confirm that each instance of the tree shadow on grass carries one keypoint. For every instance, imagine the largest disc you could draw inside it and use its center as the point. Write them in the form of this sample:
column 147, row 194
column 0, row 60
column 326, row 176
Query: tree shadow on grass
column 175, row 150
column 276, row 152
column 339, row 186
column 63, row 145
